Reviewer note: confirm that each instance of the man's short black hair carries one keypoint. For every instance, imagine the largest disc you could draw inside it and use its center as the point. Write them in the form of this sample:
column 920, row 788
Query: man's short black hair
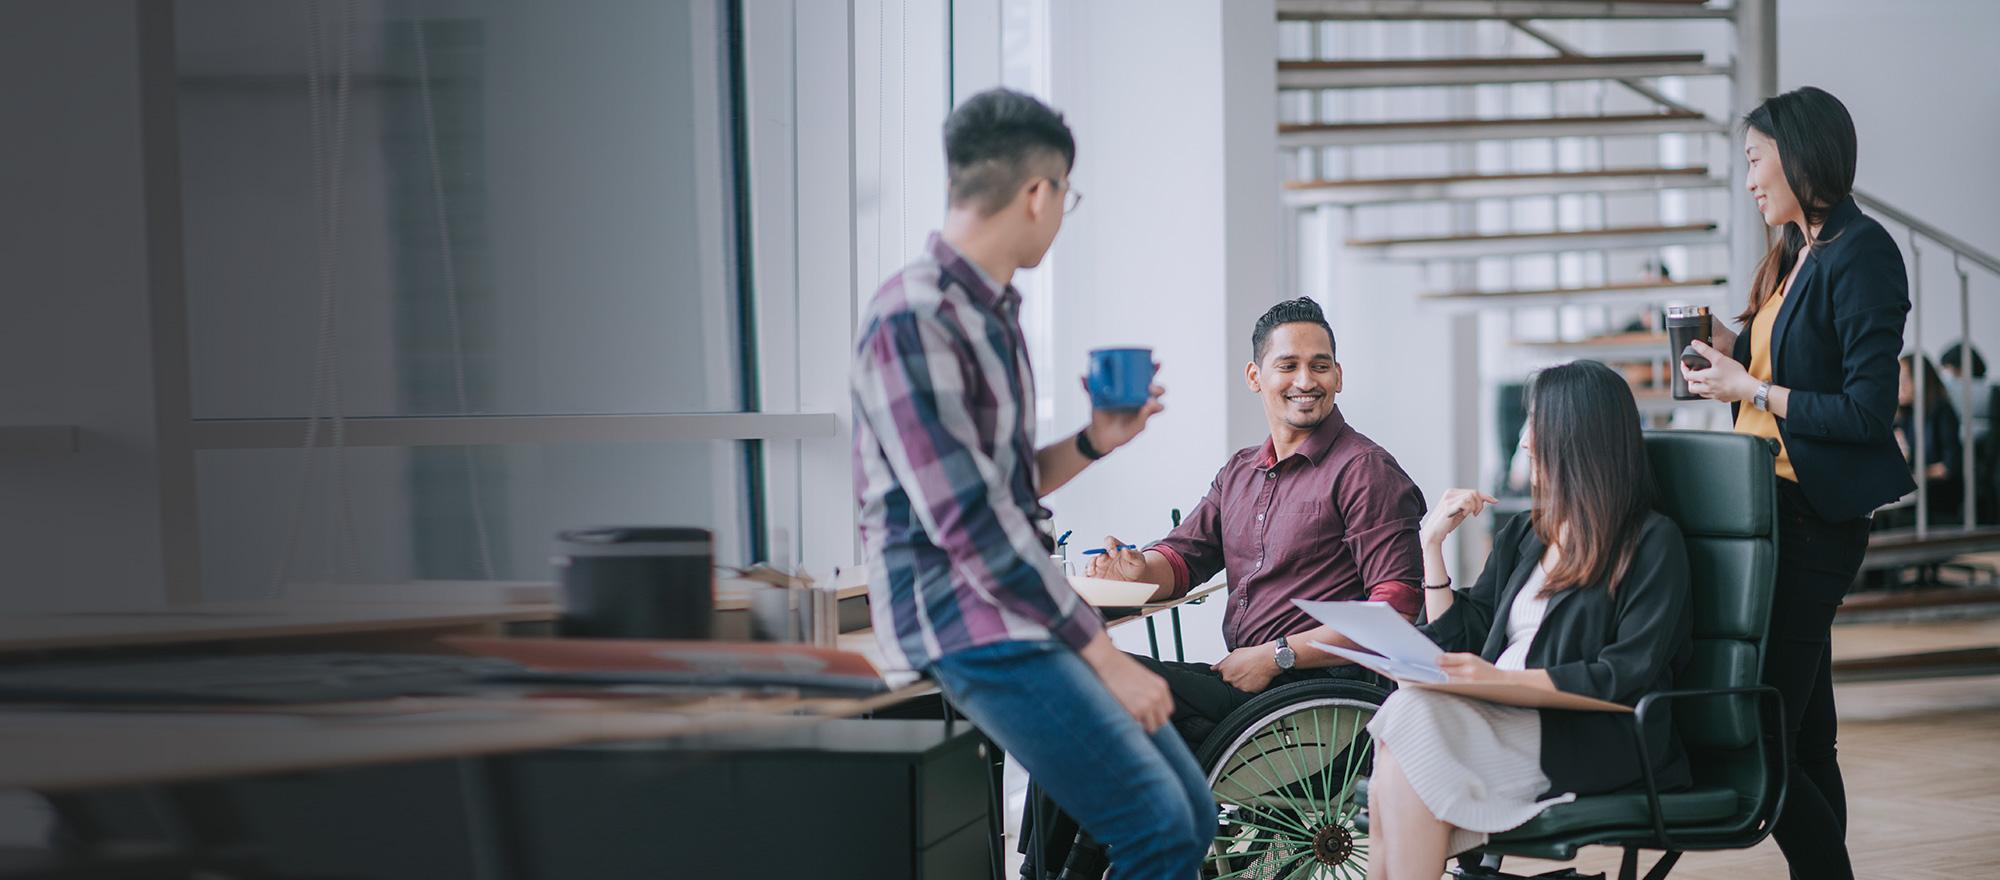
column 1954, row 357
column 993, row 142
column 1291, row 311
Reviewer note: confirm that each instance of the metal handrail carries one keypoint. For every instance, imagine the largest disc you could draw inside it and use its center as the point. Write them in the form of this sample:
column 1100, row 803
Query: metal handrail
column 1951, row 242
column 1961, row 254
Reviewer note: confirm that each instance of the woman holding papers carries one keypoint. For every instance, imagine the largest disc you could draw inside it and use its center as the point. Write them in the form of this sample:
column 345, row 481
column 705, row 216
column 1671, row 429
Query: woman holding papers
column 1814, row 370
column 1587, row 595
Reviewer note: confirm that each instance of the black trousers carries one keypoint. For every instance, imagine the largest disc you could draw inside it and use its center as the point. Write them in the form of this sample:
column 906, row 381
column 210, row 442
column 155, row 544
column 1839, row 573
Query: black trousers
column 1817, row 562
column 1201, row 701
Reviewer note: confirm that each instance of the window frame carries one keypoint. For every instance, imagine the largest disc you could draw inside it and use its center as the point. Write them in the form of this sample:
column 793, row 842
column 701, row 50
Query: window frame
column 792, row 212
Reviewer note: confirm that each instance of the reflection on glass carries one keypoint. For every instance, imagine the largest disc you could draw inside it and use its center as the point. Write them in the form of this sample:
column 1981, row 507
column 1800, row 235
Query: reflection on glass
column 501, row 208
column 391, row 515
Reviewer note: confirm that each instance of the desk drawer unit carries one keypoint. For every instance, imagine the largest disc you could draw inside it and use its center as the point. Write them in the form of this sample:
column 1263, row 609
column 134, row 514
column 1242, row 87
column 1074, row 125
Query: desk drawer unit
column 845, row 798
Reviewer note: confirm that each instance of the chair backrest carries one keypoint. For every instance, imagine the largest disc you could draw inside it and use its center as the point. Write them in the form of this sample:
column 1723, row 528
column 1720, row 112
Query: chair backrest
column 1721, row 489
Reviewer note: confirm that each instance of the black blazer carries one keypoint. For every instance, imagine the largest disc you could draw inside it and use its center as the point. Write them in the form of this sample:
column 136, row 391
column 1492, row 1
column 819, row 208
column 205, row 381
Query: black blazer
column 1834, row 345
column 1616, row 648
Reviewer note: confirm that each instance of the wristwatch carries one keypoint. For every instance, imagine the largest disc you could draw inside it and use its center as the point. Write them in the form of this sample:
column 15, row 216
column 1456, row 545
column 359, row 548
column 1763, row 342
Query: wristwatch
column 1287, row 657
column 1762, row 399
column 1084, row 448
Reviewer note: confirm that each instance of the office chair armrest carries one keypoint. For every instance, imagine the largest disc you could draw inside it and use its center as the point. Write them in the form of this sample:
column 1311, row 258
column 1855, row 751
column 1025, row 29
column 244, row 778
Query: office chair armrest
column 1770, row 703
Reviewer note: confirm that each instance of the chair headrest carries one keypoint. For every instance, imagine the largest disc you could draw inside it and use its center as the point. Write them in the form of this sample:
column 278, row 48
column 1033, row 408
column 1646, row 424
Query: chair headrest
column 1715, row 483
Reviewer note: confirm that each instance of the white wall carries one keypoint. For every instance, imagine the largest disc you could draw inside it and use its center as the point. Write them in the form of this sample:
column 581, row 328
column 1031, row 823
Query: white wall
column 1175, row 243
column 77, row 530
column 1922, row 81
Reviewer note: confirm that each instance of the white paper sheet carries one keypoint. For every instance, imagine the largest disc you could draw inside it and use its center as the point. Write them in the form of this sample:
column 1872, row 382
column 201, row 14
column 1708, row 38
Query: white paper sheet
column 1376, row 627
column 1395, row 669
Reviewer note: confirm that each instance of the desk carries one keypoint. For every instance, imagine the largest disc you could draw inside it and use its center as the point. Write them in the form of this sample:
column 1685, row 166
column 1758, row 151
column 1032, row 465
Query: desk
column 68, row 750
column 292, row 621
column 1147, row 611
column 71, row 750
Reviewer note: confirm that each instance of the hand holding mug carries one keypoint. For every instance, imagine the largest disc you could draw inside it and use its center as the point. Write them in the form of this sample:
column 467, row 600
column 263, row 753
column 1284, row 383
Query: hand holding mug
column 1724, row 380
column 1112, row 428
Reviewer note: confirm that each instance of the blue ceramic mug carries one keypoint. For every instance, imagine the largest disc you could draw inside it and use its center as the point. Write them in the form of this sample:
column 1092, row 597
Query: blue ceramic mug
column 1120, row 378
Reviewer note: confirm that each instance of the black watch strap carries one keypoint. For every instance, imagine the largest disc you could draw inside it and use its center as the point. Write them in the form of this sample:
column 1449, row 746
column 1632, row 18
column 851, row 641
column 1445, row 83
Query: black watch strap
column 1083, row 446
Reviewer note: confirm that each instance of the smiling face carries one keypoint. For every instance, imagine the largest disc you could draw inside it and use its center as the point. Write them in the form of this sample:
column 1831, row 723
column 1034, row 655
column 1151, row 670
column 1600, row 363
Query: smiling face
column 1767, row 183
column 1297, row 378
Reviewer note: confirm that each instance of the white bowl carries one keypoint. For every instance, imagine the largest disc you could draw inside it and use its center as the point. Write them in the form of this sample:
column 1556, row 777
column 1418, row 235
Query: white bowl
column 1106, row 593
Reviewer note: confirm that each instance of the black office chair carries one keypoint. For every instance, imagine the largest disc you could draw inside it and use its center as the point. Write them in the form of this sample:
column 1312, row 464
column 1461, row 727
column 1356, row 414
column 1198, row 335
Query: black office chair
column 1721, row 490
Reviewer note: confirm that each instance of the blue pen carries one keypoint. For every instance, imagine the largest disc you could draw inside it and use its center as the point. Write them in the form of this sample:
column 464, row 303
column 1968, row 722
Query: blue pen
column 1099, row 551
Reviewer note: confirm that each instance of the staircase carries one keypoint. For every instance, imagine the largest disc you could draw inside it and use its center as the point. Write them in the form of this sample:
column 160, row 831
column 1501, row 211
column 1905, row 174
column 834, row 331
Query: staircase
column 1557, row 196
column 1562, row 195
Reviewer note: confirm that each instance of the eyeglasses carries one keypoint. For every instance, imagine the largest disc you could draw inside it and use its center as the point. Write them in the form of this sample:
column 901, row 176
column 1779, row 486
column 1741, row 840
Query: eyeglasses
column 1072, row 196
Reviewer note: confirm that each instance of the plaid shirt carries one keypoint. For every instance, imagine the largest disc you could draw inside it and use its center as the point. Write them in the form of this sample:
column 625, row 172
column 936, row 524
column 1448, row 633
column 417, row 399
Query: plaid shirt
column 944, row 470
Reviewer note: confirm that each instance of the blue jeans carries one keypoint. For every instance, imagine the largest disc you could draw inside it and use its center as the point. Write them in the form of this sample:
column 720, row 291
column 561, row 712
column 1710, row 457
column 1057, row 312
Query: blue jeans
column 1140, row 794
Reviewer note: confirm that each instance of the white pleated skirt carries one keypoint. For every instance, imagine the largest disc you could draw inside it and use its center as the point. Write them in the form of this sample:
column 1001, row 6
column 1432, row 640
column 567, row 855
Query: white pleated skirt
column 1476, row 765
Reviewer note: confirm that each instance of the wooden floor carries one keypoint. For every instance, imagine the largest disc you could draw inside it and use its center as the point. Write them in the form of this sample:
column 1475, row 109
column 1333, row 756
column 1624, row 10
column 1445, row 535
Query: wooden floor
column 1921, row 760
column 1922, row 763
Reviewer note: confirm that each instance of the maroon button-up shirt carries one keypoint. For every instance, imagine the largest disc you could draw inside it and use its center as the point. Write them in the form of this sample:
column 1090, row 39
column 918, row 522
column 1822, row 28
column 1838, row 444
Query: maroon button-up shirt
column 1336, row 520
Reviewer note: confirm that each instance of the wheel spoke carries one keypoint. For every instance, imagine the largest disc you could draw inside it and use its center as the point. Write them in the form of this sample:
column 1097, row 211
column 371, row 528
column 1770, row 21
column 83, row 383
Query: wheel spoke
column 1266, row 813
column 1288, row 834
column 1281, row 865
column 1277, row 789
column 1251, row 867
column 1280, row 869
column 1255, row 857
column 1356, row 756
column 1296, row 752
column 1326, row 768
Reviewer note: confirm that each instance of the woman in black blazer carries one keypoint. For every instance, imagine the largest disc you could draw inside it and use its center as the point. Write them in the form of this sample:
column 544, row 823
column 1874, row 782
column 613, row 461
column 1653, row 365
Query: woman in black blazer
column 1588, row 594
column 1814, row 368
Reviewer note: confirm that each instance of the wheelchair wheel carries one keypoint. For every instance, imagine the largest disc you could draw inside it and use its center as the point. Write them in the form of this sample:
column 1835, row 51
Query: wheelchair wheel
column 1284, row 769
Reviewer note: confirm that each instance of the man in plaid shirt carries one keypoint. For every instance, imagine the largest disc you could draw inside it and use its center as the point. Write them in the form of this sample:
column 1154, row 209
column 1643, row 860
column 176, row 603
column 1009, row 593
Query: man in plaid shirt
column 948, row 480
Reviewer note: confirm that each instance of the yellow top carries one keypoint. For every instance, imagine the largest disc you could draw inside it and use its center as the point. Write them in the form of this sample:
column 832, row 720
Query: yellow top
column 1749, row 419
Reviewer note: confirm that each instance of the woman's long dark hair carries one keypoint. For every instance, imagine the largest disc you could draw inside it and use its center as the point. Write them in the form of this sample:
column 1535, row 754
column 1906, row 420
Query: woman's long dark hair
column 1816, row 147
column 1592, row 480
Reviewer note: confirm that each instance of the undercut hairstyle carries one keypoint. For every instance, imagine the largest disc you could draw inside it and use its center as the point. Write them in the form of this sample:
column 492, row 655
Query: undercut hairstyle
column 999, row 140
column 1291, row 311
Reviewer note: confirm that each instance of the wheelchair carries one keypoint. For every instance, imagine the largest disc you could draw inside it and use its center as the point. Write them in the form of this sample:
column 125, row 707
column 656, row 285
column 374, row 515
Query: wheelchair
column 1285, row 770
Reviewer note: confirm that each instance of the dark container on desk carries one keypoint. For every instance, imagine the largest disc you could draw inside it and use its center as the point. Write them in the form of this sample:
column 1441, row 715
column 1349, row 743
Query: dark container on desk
column 637, row 582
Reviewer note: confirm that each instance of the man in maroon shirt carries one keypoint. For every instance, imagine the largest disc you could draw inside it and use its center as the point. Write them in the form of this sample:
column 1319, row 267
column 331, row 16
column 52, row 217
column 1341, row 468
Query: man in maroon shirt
column 1317, row 511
